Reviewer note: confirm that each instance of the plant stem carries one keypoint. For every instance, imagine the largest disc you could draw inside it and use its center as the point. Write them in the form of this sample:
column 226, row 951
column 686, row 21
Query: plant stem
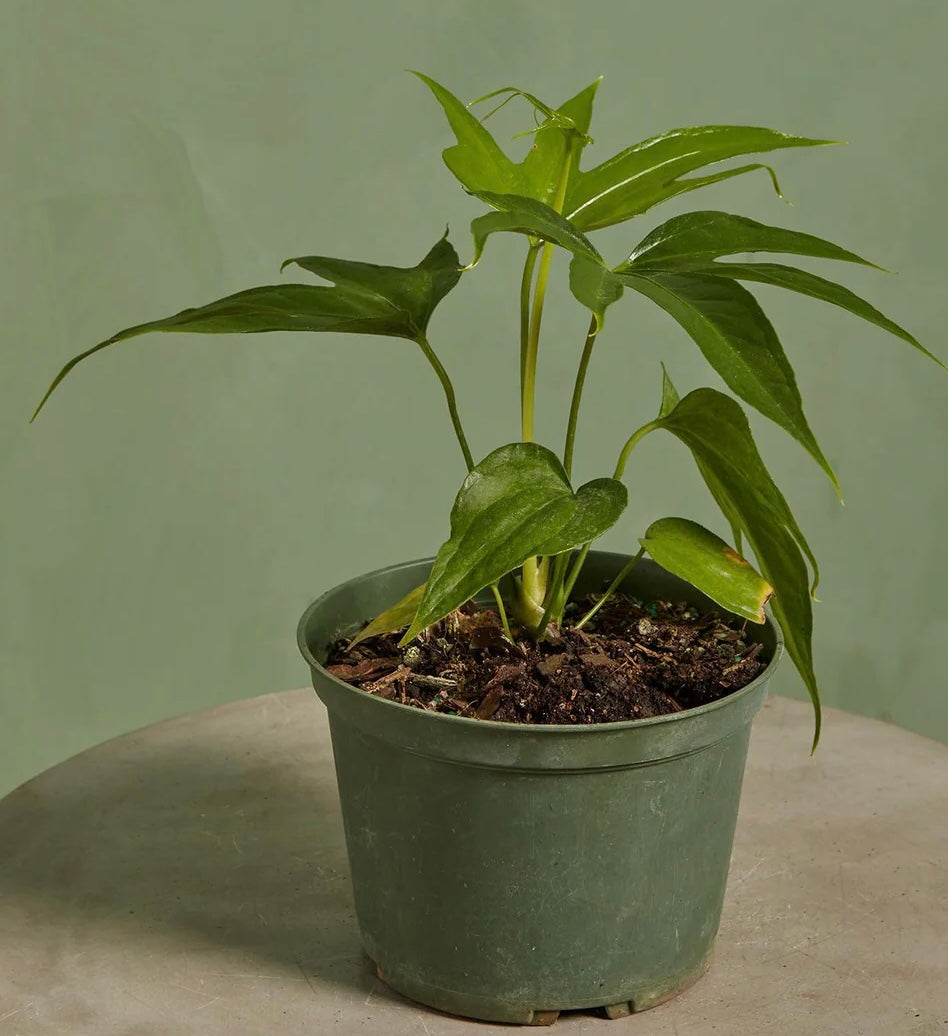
column 613, row 586
column 630, row 445
column 574, row 572
column 578, row 395
column 526, row 283
column 529, row 360
column 501, row 611
column 449, row 396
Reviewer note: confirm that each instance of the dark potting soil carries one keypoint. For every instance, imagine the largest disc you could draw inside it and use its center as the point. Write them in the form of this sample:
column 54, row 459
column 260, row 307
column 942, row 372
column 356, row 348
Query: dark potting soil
column 631, row 661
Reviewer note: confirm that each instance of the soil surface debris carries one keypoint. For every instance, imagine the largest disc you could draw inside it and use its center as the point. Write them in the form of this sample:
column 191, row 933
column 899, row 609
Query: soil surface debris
column 633, row 660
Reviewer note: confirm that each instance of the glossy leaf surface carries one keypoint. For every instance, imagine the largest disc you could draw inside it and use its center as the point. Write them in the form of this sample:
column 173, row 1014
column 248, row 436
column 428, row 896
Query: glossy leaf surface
column 715, row 429
column 695, row 239
column 652, row 171
column 528, row 216
column 477, row 160
column 367, row 299
column 694, row 553
column 516, row 504
column 806, row 283
column 392, row 619
column 736, row 338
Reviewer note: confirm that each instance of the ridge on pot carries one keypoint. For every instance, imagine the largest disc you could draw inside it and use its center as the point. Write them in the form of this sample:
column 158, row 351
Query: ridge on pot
column 506, row 871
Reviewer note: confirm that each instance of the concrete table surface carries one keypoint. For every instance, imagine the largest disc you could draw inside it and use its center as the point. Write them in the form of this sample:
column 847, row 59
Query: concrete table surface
column 191, row 878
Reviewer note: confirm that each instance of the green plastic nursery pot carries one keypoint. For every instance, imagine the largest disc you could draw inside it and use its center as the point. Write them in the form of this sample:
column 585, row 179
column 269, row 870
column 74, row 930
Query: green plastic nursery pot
column 505, row 871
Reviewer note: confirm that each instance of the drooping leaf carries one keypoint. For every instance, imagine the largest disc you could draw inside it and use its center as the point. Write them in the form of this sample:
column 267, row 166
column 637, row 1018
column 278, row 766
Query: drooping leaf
column 715, row 429
column 806, row 283
column 392, row 619
column 693, row 240
column 528, row 216
column 739, row 342
column 477, row 160
column 591, row 282
column 691, row 551
column 516, row 504
column 594, row 286
column 649, row 172
column 366, row 299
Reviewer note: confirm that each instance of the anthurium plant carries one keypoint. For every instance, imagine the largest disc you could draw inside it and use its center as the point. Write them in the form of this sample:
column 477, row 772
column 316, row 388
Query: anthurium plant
column 517, row 512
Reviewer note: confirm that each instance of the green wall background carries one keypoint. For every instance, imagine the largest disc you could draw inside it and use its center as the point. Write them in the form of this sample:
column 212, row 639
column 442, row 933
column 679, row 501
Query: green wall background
column 183, row 498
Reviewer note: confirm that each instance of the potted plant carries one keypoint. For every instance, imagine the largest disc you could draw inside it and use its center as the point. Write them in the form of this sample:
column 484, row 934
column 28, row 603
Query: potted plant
column 507, row 869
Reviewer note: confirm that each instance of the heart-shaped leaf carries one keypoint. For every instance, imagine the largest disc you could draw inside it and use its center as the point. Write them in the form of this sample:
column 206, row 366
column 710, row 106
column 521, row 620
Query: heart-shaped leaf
column 691, row 551
column 516, row 504
column 649, row 172
column 695, row 239
column 806, row 283
column 739, row 342
column 367, row 299
column 392, row 619
column 715, row 429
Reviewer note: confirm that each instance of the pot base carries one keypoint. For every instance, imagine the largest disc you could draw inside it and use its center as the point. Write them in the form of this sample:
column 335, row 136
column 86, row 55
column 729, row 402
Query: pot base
column 464, row 1005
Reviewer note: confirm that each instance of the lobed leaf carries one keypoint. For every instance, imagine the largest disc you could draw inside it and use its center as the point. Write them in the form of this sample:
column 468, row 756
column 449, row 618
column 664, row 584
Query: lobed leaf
column 516, row 504
column 366, row 299
column 477, row 160
column 651, row 171
column 691, row 551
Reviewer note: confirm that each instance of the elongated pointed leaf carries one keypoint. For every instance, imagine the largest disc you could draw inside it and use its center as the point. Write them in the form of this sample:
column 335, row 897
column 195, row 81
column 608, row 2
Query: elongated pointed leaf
column 695, row 239
column 739, row 342
column 477, row 160
column 715, row 429
column 670, row 397
column 367, row 299
column 516, row 504
column 806, row 283
column 691, row 551
column 649, row 172
column 392, row 619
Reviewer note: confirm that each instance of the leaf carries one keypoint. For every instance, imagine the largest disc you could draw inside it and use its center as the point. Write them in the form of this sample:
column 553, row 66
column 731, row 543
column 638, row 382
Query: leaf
column 477, row 160
column 670, row 397
column 392, row 619
column 649, row 172
column 591, row 282
column 690, row 551
column 739, row 342
column 715, row 429
column 807, row 283
column 516, row 504
column 524, row 215
column 540, row 170
column 367, row 299
column 594, row 286
column 695, row 239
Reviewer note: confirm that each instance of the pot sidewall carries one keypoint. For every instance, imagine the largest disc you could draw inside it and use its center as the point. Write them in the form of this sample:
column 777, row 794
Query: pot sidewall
column 502, row 869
